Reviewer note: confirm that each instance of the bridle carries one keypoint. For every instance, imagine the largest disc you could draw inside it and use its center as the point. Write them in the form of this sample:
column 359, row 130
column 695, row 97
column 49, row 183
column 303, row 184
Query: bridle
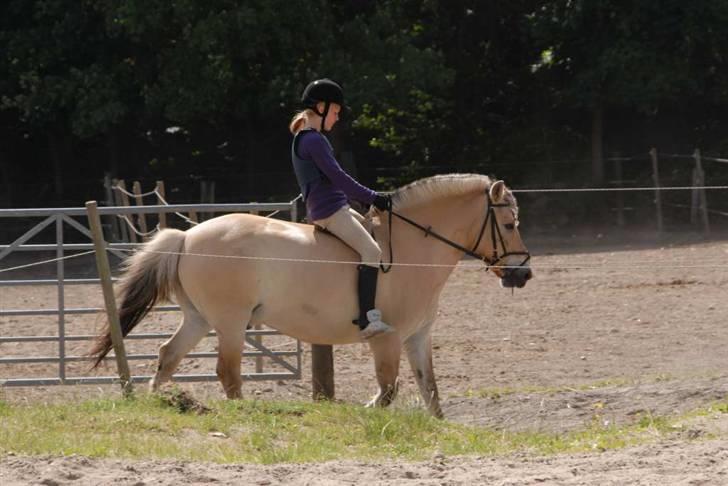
column 495, row 237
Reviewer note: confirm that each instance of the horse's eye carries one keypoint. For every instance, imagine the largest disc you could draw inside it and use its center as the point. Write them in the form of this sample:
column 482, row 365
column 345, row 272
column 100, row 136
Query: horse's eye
column 510, row 226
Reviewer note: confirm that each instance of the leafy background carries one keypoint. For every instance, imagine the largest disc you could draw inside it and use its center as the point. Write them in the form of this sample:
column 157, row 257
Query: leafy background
column 537, row 92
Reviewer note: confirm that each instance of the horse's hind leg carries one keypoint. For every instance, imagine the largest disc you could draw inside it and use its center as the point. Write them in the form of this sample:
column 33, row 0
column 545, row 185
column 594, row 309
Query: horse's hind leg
column 419, row 353
column 188, row 334
column 387, row 349
column 231, row 339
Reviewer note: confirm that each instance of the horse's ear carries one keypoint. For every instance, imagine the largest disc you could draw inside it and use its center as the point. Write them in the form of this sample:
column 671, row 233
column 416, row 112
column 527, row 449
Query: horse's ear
column 497, row 191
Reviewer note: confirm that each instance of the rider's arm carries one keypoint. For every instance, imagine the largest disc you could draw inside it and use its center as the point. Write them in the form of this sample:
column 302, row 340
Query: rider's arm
column 315, row 148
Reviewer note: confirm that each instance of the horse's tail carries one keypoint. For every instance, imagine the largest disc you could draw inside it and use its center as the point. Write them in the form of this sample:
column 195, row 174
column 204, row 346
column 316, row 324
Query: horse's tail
column 149, row 276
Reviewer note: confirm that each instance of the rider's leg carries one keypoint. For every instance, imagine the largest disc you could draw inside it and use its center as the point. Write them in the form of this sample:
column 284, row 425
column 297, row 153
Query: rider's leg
column 347, row 227
column 370, row 318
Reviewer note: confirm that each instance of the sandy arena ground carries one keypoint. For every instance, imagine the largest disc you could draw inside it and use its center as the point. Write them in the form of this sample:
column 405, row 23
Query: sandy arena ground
column 607, row 332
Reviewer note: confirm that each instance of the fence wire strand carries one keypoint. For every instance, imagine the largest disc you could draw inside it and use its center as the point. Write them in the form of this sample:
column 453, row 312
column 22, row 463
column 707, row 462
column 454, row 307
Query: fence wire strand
column 44, row 262
column 648, row 265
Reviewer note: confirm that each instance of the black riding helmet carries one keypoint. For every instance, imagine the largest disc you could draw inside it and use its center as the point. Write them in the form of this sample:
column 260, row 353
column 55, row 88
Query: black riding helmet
column 322, row 90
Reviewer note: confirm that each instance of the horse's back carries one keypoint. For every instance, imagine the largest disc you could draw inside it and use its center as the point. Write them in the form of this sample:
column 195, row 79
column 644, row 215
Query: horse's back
column 286, row 271
column 251, row 236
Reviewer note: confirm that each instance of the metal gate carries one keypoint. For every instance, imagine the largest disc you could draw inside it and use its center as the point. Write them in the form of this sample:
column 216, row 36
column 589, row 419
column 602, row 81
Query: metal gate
column 61, row 247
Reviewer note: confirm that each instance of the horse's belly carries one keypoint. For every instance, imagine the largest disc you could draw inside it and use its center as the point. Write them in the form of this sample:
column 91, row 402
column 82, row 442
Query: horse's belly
column 314, row 308
column 275, row 282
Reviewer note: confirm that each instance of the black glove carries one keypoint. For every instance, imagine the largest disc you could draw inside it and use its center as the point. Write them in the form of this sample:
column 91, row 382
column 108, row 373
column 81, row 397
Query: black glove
column 382, row 202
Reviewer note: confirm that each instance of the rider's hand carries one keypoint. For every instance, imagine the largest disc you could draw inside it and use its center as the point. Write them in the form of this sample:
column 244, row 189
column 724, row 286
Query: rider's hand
column 382, row 202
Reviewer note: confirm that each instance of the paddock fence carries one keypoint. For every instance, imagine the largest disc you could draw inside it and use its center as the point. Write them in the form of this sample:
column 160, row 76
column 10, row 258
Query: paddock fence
column 640, row 176
column 66, row 241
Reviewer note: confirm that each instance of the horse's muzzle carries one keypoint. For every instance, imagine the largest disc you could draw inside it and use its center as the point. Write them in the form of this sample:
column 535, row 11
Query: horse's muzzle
column 516, row 277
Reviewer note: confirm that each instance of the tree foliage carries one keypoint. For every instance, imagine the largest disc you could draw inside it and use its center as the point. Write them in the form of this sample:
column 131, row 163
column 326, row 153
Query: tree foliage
column 640, row 55
column 193, row 89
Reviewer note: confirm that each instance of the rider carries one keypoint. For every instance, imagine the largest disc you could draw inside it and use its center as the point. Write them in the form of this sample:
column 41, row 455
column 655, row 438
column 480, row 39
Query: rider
column 327, row 189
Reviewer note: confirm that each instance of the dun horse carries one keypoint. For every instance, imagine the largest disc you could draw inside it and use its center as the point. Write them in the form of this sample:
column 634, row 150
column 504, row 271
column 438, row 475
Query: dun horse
column 239, row 270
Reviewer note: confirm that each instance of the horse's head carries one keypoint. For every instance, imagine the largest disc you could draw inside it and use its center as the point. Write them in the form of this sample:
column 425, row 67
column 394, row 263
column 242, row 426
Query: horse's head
column 494, row 238
column 500, row 238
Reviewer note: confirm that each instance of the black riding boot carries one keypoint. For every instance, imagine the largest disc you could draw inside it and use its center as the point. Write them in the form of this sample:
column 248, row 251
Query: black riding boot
column 370, row 319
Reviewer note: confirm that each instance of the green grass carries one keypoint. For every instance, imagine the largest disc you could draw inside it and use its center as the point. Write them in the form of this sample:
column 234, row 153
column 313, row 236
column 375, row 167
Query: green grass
column 721, row 407
column 150, row 426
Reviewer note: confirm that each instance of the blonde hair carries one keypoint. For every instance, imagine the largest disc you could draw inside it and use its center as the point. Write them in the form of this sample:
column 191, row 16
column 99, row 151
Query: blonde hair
column 298, row 120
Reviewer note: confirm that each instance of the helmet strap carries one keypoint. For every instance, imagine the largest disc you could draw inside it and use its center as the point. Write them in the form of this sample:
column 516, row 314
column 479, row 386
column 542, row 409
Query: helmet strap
column 314, row 108
column 323, row 116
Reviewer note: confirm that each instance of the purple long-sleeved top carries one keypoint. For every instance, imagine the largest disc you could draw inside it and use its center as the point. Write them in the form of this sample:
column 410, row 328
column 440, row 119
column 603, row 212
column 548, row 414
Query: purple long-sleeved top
column 329, row 194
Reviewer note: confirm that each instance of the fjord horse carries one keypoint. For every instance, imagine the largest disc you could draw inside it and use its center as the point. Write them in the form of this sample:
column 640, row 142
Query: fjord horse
column 239, row 270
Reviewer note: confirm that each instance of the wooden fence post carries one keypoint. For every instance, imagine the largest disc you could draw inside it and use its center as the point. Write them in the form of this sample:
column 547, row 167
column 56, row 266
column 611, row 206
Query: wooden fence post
column 294, row 210
column 620, row 196
column 141, row 217
column 699, row 200
column 102, row 264
column 129, row 219
column 656, row 182
column 207, row 196
column 322, row 372
column 161, row 197
column 694, row 197
column 109, row 190
column 123, row 230
column 203, row 197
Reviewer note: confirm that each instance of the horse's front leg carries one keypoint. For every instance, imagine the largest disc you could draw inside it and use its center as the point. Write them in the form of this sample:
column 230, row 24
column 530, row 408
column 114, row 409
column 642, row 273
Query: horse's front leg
column 419, row 353
column 387, row 349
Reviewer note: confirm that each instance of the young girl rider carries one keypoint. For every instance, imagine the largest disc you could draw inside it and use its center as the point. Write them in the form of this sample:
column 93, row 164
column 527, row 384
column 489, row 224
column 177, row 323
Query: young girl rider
column 326, row 190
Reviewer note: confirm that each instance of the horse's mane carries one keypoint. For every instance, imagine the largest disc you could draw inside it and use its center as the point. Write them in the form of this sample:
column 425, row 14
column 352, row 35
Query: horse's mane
column 440, row 186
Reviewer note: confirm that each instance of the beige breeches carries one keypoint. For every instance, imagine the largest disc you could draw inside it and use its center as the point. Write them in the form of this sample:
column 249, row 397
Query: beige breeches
column 347, row 225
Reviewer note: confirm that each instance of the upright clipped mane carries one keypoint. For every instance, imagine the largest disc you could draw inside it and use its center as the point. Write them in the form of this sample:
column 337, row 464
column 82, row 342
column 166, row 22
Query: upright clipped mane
column 444, row 185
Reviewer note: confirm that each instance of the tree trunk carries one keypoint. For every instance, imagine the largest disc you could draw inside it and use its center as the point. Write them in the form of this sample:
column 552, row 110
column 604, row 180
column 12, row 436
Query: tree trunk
column 6, row 186
column 58, row 148
column 597, row 162
column 114, row 147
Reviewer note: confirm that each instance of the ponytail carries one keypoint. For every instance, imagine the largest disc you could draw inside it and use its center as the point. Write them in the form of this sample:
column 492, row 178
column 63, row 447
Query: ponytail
column 298, row 120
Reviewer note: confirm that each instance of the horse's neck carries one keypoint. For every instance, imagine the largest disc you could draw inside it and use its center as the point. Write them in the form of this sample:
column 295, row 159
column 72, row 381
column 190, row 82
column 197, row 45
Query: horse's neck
column 453, row 220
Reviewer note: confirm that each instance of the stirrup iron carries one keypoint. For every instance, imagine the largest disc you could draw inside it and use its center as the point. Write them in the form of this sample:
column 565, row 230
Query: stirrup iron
column 376, row 326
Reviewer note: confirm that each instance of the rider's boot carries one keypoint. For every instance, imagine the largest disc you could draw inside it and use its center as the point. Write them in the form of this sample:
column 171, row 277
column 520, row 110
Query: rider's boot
column 370, row 319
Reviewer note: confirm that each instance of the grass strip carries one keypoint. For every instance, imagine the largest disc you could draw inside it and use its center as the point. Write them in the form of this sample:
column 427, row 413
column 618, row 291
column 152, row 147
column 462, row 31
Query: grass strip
column 151, row 426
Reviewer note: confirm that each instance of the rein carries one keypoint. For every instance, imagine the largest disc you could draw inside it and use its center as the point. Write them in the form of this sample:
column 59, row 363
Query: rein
column 494, row 232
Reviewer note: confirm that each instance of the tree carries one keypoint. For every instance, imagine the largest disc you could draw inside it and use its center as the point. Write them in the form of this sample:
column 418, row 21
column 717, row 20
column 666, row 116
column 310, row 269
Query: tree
column 63, row 80
column 642, row 56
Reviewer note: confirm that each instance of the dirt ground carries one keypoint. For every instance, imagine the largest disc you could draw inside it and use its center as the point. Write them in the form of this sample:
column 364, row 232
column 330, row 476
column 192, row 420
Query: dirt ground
column 613, row 328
